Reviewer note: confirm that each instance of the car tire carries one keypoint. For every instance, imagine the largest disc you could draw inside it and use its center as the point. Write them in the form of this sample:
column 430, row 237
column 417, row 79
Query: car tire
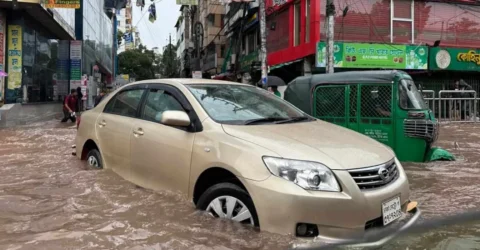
column 224, row 192
column 94, row 159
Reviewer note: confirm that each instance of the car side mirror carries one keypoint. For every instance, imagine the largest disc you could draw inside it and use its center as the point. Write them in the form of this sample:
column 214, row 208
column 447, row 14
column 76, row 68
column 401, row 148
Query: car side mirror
column 175, row 118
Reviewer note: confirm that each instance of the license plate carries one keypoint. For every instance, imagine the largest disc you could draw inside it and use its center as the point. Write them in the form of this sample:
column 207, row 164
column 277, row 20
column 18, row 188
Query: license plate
column 391, row 210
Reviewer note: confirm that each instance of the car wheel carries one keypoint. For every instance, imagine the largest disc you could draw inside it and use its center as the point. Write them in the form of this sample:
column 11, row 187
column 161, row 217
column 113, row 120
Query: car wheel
column 94, row 159
column 229, row 201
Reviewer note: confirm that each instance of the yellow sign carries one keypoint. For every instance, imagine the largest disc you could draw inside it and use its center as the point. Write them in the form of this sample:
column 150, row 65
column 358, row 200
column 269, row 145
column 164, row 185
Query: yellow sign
column 470, row 56
column 125, row 77
column 68, row 4
column 14, row 56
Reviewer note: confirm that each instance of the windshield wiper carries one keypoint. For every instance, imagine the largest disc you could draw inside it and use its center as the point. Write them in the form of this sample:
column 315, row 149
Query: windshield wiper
column 293, row 119
column 265, row 119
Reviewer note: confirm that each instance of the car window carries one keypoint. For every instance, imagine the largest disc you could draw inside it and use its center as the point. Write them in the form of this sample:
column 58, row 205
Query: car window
column 125, row 103
column 157, row 102
column 236, row 104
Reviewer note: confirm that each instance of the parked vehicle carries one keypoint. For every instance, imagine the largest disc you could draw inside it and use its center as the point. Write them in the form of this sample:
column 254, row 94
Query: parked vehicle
column 242, row 153
column 384, row 105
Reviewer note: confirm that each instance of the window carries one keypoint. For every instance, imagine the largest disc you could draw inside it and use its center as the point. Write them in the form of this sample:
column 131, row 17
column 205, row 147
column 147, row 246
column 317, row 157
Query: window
column 211, row 20
column 251, row 43
column 236, row 104
column 307, row 21
column 296, row 28
column 402, row 29
column 222, row 51
column 157, row 102
column 410, row 97
column 125, row 103
column 376, row 101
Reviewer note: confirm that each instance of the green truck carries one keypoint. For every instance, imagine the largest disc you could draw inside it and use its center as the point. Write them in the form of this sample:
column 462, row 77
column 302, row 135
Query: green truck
column 384, row 105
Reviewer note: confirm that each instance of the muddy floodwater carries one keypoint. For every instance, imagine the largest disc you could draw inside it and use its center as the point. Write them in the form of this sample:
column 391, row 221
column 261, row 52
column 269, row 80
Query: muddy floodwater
column 50, row 200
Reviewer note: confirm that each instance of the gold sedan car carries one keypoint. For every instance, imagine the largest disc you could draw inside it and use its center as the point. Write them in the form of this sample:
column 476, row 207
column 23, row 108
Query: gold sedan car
column 242, row 153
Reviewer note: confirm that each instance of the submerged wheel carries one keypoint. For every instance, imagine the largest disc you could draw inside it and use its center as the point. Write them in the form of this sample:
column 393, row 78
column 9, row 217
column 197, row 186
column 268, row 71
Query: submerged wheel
column 94, row 159
column 229, row 201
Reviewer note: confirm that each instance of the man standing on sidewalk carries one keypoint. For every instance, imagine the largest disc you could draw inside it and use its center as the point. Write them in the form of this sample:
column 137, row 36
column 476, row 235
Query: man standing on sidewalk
column 69, row 106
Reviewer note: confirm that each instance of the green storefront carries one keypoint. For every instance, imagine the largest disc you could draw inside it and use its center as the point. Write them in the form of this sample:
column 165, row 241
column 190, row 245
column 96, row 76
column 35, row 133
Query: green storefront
column 454, row 59
column 446, row 65
column 374, row 56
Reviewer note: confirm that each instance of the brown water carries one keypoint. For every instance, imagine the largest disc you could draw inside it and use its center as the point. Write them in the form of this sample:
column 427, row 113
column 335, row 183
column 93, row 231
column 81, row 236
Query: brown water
column 50, row 200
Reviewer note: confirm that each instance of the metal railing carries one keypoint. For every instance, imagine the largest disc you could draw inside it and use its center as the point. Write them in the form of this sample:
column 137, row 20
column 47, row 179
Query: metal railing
column 449, row 108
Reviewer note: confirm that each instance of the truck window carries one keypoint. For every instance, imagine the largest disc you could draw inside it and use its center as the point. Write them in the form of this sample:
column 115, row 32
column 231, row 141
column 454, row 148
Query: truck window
column 376, row 101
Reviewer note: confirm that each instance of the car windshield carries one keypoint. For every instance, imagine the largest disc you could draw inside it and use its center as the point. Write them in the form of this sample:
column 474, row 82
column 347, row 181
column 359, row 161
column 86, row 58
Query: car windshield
column 240, row 104
column 410, row 97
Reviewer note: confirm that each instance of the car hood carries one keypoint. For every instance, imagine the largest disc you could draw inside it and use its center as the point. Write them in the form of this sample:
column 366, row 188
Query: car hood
column 332, row 145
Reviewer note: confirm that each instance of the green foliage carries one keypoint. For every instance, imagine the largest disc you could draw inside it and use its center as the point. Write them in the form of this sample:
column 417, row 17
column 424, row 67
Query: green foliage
column 142, row 63
column 138, row 63
column 169, row 63
column 119, row 37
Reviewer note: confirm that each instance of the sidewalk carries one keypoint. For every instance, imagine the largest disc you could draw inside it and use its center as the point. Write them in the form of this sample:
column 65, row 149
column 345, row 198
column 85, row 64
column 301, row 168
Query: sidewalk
column 22, row 114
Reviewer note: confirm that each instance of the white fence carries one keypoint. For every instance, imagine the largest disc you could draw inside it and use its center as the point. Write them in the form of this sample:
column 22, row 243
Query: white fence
column 453, row 105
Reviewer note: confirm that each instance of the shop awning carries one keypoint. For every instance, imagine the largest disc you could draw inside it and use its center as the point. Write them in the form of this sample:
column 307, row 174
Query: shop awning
column 47, row 18
column 284, row 64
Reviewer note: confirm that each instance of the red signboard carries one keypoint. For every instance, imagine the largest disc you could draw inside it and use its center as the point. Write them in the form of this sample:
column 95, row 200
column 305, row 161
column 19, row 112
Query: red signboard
column 275, row 5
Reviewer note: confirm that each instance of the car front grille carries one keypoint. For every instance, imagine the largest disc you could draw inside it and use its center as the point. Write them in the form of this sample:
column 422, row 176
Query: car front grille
column 424, row 129
column 376, row 176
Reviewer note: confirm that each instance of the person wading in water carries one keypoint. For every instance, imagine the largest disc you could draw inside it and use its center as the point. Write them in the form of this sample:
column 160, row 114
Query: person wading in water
column 69, row 106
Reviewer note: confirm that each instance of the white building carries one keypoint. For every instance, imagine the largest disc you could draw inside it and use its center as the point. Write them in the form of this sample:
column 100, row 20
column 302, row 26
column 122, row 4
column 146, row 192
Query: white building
column 180, row 28
column 121, row 26
column 183, row 40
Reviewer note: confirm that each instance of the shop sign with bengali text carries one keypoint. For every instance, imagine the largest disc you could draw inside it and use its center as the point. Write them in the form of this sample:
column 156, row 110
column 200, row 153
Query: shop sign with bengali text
column 66, row 4
column 14, row 56
column 375, row 56
column 457, row 59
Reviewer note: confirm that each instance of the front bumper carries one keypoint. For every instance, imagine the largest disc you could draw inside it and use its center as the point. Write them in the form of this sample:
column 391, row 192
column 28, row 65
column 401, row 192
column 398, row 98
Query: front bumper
column 281, row 205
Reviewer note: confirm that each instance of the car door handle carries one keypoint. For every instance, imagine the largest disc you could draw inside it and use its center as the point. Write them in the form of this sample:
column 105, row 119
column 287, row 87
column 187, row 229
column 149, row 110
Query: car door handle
column 138, row 131
column 102, row 123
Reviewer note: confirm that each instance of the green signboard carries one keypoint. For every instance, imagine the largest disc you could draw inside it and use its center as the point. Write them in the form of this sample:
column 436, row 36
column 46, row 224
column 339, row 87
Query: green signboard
column 454, row 59
column 247, row 60
column 367, row 55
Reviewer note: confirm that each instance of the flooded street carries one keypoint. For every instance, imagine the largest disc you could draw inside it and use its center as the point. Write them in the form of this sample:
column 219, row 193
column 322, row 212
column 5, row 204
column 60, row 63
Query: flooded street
column 50, row 200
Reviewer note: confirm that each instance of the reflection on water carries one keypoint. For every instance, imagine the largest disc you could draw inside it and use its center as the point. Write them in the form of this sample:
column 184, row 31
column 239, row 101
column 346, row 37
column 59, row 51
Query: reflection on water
column 49, row 200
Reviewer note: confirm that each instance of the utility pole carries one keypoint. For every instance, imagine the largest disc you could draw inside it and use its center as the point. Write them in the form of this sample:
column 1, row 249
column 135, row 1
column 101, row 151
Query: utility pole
column 330, row 15
column 263, row 41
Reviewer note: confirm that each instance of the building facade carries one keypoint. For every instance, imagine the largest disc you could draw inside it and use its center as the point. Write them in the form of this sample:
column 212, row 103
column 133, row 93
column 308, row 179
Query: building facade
column 413, row 32
column 212, row 16
column 293, row 29
column 243, row 42
column 419, row 30
column 30, row 37
column 184, row 44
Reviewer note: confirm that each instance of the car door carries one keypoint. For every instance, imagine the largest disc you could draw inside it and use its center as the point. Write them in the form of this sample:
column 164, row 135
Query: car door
column 114, row 128
column 161, row 154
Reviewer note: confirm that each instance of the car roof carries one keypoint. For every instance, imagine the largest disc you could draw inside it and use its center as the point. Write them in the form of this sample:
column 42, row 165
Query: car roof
column 188, row 81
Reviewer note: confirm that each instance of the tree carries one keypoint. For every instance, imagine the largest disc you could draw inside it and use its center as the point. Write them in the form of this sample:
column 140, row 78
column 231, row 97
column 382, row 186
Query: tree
column 169, row 63
column 137, row 63
column 120, row 37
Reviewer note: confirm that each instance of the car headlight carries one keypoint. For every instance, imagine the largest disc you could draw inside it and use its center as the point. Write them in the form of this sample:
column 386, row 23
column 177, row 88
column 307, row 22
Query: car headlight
column 308, row 175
